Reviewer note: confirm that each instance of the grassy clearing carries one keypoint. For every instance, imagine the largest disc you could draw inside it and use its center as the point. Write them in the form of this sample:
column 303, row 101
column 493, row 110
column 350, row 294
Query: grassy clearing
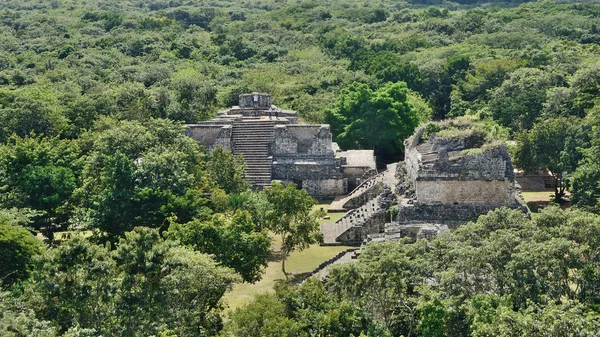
column 296, row 264
column 545, row 195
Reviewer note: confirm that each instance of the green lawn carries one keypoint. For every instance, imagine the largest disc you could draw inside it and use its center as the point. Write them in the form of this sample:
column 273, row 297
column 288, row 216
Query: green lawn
column 297, row 263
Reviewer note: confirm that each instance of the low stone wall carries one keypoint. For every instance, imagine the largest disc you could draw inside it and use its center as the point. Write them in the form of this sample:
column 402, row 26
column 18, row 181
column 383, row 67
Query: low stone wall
column 532, row 182
column 331, row 261
column 481, row 192
column 325, row 187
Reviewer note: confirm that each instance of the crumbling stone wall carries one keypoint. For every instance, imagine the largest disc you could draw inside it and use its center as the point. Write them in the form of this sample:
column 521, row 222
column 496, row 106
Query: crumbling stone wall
column 309, row 169
column 444, row 213
column 246, row 100
column 302, row 139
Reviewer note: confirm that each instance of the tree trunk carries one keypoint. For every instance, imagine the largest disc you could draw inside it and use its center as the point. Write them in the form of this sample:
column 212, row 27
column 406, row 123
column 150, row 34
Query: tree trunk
column 283, row 267
column 559, row 190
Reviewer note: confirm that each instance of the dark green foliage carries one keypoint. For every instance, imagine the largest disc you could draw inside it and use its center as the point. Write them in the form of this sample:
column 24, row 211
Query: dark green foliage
column 233, row 241
column 556, row 145
column 145, row 282
column 366, row 119
column 226, row 171
column 41, row 174
column 139, row 175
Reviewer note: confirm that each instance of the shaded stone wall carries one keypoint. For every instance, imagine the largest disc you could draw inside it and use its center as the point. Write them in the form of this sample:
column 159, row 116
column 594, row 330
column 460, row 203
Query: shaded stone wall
column 306, row 170
column 264, row 100
column 302, row 139
column 482, row 192
column 356, row 235
column 224, row 138
column 210, row 135
column 362, row 198
column 354, row 174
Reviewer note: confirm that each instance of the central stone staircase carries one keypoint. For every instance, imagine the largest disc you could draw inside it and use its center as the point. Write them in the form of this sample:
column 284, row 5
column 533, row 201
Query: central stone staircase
column 251, row 140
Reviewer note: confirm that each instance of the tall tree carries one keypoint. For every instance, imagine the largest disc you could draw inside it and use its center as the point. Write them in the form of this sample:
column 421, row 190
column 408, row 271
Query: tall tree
column 367, row 119
column 292, row 218
column 553, row 145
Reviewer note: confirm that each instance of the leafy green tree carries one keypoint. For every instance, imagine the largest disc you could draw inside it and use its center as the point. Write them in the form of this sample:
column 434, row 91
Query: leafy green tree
column 30, row 110
column 234, row 241
column 226, row 170
column 586, row 189
column 264, row 316
column 385, row 286
column 291, row 216
column 367, row 119
column 73, row 283
column 518, row 102
column 164, row 286
column 555, row 145
column 147, row 285
column 140, row 175
column 17, row 251
column 41, row 174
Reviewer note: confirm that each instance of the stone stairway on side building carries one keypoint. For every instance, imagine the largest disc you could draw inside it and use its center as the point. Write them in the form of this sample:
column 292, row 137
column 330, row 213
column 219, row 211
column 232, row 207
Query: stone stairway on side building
column 251, row 140
column 354, row 226
column 367, row 213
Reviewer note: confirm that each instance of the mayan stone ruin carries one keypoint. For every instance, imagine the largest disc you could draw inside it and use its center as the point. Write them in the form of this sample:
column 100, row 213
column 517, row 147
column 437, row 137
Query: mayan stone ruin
column 447, row 178
column 276, row 146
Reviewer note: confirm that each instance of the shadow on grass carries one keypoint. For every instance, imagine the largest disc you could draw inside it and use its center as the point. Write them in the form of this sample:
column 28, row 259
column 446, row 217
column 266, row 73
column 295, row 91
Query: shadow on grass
column 294, row 279
column 276, row 256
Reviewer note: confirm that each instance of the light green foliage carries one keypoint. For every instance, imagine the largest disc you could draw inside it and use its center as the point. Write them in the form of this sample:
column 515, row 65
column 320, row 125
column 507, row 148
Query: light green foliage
column 586, row 190
column 17, row 251
column 504, row 275
column 302, row 311
column 367, row 119
column 233, row 241
column 264, row 317
column 291, row 216
column 518, row 102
